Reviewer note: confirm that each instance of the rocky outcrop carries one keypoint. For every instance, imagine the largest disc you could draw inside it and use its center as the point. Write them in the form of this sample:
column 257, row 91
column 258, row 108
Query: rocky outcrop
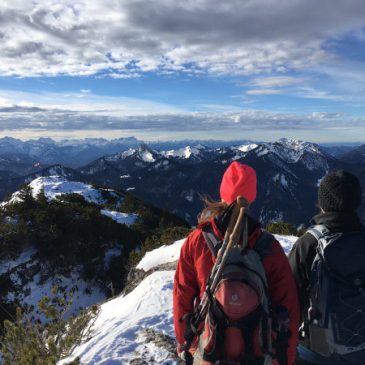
column 135, row 276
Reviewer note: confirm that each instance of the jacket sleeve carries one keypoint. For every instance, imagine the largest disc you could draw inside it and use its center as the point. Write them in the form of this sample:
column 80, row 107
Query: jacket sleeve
column 300, row 259
column 283, row 292
column 185, row 289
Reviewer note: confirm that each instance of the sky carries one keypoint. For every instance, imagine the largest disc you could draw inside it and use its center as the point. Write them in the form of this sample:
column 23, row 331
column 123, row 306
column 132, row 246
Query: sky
column 177, row 69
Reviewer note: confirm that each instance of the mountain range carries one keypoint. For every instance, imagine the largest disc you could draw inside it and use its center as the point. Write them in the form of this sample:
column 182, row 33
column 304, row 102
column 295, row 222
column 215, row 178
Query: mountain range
column 25, row 157
column 289, row 172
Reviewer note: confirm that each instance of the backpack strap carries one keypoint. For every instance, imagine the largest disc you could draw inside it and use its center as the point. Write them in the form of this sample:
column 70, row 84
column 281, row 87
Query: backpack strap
column 213, row 243
column 262, row 245
column 319, row 231
column 324, row 237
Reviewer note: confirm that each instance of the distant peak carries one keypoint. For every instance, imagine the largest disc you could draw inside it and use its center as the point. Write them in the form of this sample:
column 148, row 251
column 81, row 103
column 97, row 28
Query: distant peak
column 143, row 147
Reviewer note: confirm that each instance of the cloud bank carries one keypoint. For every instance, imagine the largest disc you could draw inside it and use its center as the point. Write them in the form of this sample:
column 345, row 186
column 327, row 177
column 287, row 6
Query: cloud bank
column 20, row 118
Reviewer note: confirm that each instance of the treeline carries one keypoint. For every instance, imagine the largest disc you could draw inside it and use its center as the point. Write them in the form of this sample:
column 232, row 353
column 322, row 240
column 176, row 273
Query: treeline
column 285, row 229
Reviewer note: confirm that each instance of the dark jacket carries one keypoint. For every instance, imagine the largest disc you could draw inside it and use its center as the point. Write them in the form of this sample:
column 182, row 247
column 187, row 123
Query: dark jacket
column 304, row 250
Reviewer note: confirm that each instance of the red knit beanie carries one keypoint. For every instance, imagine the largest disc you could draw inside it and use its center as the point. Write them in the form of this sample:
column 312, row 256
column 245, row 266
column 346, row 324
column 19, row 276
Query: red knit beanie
column 238, row 180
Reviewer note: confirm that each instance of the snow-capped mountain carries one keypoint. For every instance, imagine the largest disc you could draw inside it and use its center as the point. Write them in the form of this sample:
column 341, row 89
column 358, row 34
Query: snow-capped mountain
column 174, row 179
column 288, row 172
column 137, row 328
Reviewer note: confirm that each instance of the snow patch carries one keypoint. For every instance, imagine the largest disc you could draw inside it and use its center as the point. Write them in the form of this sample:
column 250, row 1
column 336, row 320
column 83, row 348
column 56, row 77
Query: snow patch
column 23, row 258
column 85, row 295
column 262, row 152
column 147, row 156
column 282, row 179
column 247, row 147
column 185, row 152
column 109, row 254
column 320, row 179
column 161, row 255
column 286, row 242
column 189, row 196
column 122, row 218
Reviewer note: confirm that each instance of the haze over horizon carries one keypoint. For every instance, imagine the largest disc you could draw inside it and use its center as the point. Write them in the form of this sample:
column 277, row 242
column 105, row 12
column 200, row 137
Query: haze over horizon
column 257, row 70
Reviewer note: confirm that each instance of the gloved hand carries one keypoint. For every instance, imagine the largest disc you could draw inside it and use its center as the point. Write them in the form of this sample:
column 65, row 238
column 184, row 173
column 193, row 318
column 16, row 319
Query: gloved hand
column 185, row 355
column 190, row 330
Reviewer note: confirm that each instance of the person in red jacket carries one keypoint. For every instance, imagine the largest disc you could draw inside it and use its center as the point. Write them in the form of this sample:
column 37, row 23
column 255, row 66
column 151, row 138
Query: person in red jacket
column 196, row 262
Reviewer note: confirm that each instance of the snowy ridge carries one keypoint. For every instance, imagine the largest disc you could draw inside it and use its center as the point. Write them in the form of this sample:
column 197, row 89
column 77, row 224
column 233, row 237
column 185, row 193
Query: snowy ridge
column 247, row 147
column 118, row 333
column 143, row 154
column 55, row 186
column 291, row 150
column 146, row 154
column 184, row 152
column 160, row 256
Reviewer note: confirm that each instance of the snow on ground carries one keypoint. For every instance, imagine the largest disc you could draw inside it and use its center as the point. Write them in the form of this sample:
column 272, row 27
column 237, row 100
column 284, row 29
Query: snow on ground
column 161, row 255
column 24, row 257
column 118, row 330
column 122, row 218
column 286, row 242
column 30, row 286
column 86, row 294
column 171, row 253
column 56, row 185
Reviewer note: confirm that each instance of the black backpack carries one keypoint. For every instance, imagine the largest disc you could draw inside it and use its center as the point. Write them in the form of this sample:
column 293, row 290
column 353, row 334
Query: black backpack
column 337, row 296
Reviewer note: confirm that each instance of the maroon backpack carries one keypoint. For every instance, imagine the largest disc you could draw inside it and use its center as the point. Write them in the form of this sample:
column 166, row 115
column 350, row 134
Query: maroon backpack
column 238, row 328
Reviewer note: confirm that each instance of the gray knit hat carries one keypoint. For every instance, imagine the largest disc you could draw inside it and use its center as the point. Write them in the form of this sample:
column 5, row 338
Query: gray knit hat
column 339, row 191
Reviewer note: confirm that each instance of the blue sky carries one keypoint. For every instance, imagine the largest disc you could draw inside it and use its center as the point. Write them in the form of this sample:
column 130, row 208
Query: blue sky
column 259, row 69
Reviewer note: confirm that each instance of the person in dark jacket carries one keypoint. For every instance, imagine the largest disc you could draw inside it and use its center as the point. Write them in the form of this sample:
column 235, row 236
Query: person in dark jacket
column 339, row 196
column 196, row 260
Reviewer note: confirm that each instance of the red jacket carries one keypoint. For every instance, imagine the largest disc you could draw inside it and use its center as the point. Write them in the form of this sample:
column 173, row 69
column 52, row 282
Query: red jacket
column 193, row 270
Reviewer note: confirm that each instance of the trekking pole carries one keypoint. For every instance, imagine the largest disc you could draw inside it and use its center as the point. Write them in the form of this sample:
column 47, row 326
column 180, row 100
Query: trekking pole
column 231, row 237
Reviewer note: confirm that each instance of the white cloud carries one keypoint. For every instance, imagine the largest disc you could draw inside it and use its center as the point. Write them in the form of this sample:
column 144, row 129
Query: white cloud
column 264, row 92
column 122, row 38
column 276, row 81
